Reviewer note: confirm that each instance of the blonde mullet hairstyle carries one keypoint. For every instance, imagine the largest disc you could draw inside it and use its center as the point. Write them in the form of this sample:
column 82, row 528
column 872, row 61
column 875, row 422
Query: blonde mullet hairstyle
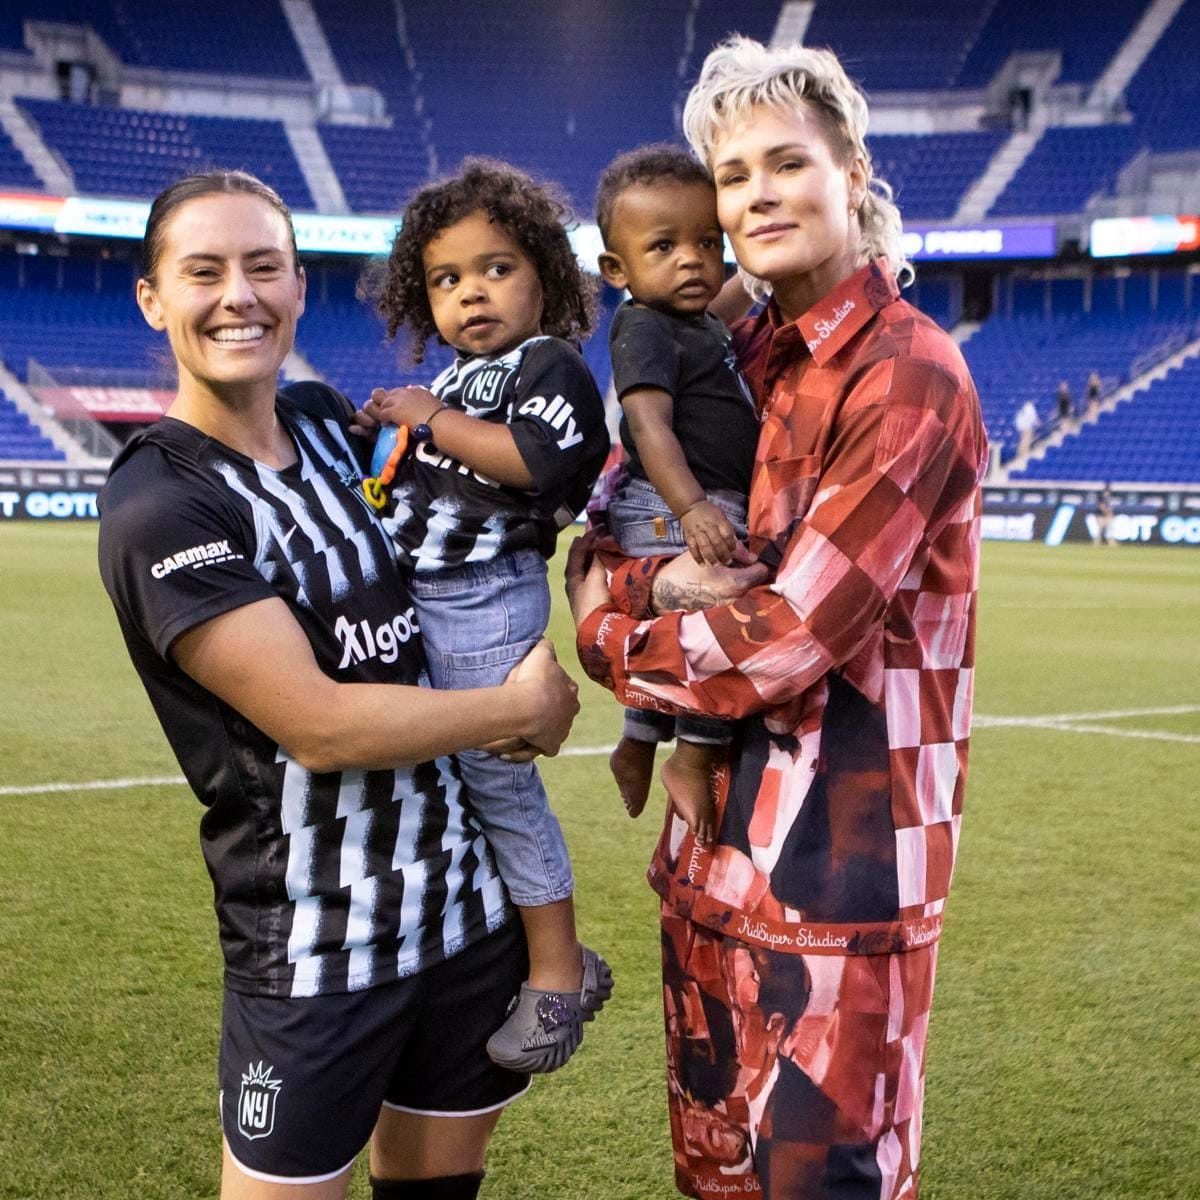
column 741, row 74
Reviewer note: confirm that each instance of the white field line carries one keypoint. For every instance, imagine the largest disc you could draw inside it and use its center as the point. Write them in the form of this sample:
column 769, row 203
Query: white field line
column 1055, row 722
column 1116, row 731
column 92, row 785
column 1112, row 714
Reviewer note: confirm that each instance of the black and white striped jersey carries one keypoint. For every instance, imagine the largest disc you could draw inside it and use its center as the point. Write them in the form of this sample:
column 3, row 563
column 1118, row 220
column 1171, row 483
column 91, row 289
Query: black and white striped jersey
column 444, row 515
column 323, row 883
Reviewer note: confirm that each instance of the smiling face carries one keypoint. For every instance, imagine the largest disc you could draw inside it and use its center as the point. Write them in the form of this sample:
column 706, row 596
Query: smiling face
column 665, row 246
column 483, row 288
column 226, row 291
column 785, row 201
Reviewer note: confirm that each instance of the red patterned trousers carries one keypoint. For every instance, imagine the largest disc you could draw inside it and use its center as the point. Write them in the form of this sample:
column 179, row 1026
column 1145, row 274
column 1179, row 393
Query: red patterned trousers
column 793, row 1076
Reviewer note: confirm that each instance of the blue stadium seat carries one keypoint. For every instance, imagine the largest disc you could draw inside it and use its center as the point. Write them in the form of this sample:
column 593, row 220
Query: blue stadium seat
column 929, row 173
column 898, row 47
column 133, row 152
column 1066, row 168
column 1024, row 356
column 1086, row 32
column 21, row 439
column 1153, row 438
column 176, row 37
column 1164, row 95
column 15, row 172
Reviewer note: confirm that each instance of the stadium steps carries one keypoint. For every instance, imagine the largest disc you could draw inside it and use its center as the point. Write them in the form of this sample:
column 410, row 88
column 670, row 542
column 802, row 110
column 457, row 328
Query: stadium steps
column 297, row 368
column 793, row 21
column 964, row 331
column 1135, row 50
column 318, row 172
column 314, row 45
column 1129, row 391
column 46, row 165
column 1006, row 162
column 24, row 400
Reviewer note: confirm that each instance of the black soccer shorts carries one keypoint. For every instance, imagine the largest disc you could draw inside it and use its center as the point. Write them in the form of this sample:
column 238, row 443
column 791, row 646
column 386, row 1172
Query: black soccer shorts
column 303, row 1080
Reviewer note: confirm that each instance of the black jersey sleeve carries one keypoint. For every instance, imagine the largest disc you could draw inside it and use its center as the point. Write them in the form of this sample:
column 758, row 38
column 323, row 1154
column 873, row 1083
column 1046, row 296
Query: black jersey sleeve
column 173, row 555
column 644, row 351
column 557, row 416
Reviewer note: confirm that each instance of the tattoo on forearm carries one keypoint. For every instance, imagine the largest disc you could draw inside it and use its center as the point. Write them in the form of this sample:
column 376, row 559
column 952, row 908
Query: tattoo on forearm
column 668, row 597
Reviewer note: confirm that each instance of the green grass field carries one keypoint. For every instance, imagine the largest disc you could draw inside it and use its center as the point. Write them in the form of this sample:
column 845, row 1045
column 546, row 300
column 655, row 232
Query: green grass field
column 1065, row 1046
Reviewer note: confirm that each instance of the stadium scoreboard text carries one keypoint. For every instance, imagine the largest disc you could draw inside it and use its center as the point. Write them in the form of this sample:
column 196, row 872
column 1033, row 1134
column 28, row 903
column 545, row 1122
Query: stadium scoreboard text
column 1159, row 518
column 52, row 495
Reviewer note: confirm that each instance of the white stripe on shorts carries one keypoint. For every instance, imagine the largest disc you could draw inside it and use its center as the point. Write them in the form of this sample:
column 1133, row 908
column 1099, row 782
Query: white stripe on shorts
column 262, row 1176
column 474, row 1112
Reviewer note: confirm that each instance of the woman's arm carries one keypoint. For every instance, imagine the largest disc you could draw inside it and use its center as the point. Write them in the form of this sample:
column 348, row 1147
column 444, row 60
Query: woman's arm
column 732, row 302
column 258, row 660
column 896, row 472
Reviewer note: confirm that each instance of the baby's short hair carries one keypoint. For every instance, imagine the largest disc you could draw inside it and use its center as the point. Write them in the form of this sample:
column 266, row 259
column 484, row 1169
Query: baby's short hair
column 656, row 163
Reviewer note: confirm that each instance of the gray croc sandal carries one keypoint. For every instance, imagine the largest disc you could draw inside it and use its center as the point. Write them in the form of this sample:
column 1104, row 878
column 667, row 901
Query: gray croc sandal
column 544, row 1029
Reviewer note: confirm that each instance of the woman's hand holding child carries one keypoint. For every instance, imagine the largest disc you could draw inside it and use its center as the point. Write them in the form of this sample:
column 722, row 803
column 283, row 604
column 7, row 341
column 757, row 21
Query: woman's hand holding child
column 548, row 693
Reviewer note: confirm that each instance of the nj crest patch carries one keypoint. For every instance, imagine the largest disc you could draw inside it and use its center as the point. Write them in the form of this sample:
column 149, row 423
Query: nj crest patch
column 256, row 1104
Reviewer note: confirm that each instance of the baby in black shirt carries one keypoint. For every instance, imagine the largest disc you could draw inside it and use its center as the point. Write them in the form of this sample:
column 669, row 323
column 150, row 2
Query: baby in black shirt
column 688, row 423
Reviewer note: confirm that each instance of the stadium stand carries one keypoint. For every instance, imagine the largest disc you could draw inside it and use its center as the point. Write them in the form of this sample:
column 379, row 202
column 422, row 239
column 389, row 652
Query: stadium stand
column 453, row 87
column 20, row 439
column 937, row 296
column 929, row 173
column 14, row 170
column 377, row 167
column 72, row 312
column 900, row 47
column 1048, row 337
column 1066, row 168
column 549, row 120
column 1152, row 438
column 1087, row 33
column 135, row 152
column 175, row 37
column 1164, row 95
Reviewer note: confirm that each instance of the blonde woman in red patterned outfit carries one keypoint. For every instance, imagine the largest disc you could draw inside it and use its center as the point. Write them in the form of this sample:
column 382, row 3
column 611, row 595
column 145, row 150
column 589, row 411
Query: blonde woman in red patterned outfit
column 799, row 946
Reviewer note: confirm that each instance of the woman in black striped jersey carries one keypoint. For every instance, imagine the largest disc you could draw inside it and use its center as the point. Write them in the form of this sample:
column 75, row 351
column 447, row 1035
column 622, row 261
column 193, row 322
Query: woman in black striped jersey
column 368, row 941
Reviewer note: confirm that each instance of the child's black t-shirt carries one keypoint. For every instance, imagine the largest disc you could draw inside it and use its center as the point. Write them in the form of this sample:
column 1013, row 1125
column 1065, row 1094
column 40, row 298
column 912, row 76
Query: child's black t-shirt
column 692, row 358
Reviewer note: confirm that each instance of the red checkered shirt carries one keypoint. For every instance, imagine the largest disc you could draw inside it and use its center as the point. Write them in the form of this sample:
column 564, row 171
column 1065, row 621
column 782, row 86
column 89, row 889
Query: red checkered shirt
column 851, row 673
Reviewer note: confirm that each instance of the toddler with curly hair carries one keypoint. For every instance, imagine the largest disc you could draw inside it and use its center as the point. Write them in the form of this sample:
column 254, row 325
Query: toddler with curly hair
column 508, row 442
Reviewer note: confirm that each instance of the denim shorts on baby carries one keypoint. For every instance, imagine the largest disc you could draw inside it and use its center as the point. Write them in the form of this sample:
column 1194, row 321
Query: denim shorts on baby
column 641, row 521
column 478, row 621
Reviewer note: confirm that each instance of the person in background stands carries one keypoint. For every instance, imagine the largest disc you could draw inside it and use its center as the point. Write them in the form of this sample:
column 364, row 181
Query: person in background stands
column 1093, row 396
column 1104, row 518
column 1026, row 422
column 1064, row 404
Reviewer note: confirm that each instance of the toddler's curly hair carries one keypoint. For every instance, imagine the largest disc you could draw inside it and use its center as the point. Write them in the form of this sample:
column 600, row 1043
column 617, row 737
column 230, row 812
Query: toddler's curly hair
column 534, row 214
